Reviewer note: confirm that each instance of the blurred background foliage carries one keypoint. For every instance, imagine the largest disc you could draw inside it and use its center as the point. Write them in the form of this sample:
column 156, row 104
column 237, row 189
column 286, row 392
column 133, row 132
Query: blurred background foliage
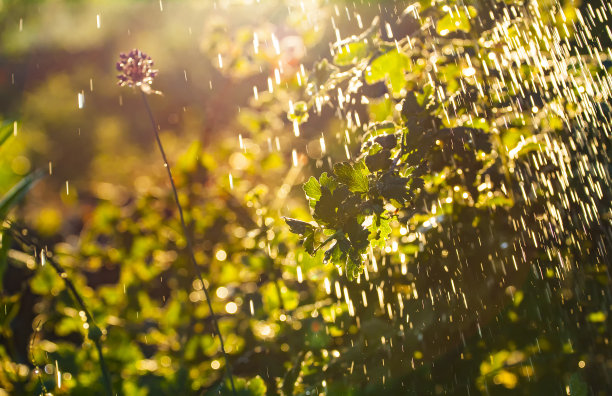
column 292, row 324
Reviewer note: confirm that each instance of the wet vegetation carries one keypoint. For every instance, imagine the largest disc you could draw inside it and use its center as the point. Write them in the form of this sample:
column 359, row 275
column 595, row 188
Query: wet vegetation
column 305, row 198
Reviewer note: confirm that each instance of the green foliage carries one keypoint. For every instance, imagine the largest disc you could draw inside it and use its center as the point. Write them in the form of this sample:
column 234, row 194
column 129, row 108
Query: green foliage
column 299, row 113
column 470, row 238
column 355, row 177
column 337, row 202
column 453, row 22
column 438, row 177
column 577, row 386
column 387, row 178
column 390, row 67
column 352, row 53
column 244, row 387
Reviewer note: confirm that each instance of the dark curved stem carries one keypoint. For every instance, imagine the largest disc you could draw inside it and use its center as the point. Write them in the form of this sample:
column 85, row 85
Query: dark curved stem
column 81, row 303
column 189, row 244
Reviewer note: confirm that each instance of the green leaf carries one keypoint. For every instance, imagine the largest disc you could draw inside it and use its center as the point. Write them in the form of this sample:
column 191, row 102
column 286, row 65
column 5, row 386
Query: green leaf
column 355, row 177
column 524, row 148
column 577, row 386
column 298, row 226
column 6, row 131
column 391, row 67
column 15, row 194
column 273, row 292
column 356, row 234
column 381, row 128
column 309, row 243
column 312, row 188
column 299, row 113
column 354, row 266
column 452, row 22
column 394, row 187
column 45, row 281
column 322, row 74
column 427, row 97
column 257, row 386
column 328, row 182
column 305, row 230
column 384, row 227
column 411, row 107
column 336, row 254
column 292, row 375
column 379, row 161
column 496, row 200
column 386, row 141
column 351, row 54
column 380, row 110
column 512, row 137
column 380, row 231
column 252, row 387
column 325, row 209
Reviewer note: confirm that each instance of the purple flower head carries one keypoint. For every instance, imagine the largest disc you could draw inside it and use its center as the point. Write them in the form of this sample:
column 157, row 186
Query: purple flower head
column 136, row 70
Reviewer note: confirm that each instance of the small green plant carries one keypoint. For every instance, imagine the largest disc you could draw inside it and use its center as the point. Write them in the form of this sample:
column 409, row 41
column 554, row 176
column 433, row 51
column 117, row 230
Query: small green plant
column 354, row 206
column 136, row 71
column 11, row 234
column 94, row 332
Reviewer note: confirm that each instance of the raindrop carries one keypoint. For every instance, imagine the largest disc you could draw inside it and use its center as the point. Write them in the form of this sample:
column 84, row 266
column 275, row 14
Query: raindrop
column 81, row 100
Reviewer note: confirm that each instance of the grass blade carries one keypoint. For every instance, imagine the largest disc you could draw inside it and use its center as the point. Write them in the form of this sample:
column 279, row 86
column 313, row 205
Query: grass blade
column 17, row 192
column 6, row 131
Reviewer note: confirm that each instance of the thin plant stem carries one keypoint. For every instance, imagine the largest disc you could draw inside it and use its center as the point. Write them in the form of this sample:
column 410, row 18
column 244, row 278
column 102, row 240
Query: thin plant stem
column 190, row 245
column 76, row 296
column 62, row 273
column 33, row 361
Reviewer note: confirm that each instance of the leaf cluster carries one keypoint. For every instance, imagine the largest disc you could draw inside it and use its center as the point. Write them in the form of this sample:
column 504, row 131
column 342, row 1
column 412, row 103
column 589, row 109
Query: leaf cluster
column 353, row 206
